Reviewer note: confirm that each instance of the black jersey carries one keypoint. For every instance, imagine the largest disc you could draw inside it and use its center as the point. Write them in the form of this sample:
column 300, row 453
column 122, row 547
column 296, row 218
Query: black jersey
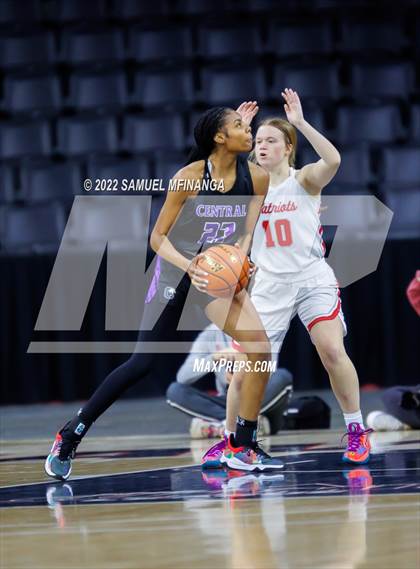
column 210, row 217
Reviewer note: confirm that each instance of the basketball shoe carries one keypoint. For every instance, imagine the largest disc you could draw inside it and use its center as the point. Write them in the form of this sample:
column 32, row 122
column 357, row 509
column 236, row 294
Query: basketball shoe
column 212, row 457
column 248, row 458
column 358, row 445
column 58, row 462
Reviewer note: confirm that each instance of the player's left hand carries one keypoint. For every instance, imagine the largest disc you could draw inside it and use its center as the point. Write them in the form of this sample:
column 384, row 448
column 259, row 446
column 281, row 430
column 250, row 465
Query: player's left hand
column 252, row 267
column 248, row 110
column 292, row 107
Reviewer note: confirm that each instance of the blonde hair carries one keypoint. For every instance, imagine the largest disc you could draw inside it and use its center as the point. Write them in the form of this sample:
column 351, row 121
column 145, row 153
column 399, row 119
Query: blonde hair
column 289, row 133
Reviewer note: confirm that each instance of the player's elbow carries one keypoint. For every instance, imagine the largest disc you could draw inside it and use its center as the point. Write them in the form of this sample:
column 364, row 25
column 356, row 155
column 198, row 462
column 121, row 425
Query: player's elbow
column 336, row 161
column 155, row 240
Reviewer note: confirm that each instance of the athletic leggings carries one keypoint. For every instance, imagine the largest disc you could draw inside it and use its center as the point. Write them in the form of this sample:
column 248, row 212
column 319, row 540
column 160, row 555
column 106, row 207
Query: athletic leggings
column 140, row 364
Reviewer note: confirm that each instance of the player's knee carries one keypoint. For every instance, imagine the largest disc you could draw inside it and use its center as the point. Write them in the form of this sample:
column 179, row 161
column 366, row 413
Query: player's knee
column 257, row 346
column 331, row 354
column 263, row 346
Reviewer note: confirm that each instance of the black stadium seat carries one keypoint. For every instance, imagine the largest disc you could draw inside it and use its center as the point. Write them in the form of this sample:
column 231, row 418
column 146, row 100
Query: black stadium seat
column 158, row 88
column 138, row 9
column 45, row 180
column 86, row 46
column 375, row 123
column 21, row 138
column 401, row 166
column 381, row 80
column 87, row 135
column 378, row 36
column 354, row 169
column 406, row 207
column 415, row 123
column 147, row 45
column 167, row 163
column 225, row 84
column 144, row 133
column 310, row 81
column 298, row 40
column 112, row 167
column 78, row 10
column 98, row 89
column 201, row 7
column 32, row 93
column 33, row 228
column 35, row 47
column 12, row 11
column 7, row 193
column 222, row 42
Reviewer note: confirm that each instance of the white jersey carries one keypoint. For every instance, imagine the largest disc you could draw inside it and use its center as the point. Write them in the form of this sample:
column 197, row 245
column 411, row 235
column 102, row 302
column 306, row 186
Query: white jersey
column 287, row 243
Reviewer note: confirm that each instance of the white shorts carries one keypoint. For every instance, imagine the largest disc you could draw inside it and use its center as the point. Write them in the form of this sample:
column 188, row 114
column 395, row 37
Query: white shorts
column 277, row 303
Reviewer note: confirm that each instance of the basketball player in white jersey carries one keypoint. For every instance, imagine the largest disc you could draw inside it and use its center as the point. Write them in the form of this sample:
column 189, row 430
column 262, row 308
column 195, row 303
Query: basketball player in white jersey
column 293, row 276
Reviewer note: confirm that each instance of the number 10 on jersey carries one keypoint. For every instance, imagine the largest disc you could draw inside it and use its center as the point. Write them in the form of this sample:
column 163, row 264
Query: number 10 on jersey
column 283, row 233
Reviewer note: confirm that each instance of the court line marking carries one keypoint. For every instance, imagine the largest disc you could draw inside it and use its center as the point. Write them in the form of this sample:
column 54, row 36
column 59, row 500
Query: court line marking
column 87, row 476
column 272, row 500
column 372, row 470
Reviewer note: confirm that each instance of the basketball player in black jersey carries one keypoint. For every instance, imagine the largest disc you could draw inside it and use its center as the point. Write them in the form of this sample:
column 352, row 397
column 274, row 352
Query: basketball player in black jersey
column 220, row 135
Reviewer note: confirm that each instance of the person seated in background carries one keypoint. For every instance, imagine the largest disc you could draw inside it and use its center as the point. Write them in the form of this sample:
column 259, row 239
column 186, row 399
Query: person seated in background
column 212, row 353
column 402, row 403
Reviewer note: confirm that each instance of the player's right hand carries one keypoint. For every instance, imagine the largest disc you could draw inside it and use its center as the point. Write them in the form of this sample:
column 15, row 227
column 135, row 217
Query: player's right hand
column 248, row 110
column 197, row 275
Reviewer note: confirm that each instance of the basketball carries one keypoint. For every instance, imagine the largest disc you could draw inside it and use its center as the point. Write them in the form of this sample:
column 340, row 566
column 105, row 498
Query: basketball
column 228, row 269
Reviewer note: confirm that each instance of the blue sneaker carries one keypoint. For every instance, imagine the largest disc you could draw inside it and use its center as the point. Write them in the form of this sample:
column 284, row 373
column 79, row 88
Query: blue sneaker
column 58, row 462
column 248, row 458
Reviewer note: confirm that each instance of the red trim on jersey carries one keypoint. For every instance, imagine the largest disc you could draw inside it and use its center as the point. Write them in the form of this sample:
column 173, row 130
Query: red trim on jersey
column 237, row 346
column 321, row 231
column 331, row 316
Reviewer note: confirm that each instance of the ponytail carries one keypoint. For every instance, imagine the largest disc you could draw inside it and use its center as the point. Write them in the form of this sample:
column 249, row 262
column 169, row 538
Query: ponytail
column 194, row 155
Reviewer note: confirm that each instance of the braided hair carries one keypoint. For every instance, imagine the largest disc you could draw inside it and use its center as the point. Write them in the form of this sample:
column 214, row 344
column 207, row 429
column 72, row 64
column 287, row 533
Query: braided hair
column 204, row 132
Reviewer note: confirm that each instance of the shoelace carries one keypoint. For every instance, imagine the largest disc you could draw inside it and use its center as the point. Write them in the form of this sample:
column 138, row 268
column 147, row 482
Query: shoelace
column 354, row 438
column 259, row 450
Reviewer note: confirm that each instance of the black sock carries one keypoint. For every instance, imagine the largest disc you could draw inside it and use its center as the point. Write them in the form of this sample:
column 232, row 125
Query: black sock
column 246, row 432
column 77, row 427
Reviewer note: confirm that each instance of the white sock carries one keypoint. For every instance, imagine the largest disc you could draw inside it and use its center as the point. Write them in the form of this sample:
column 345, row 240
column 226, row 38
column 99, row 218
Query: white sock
column 355, row 417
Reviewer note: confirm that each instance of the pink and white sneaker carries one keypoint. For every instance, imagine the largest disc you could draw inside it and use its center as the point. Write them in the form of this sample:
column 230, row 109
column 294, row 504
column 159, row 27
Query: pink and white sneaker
column 211, row 459
column 358, row 445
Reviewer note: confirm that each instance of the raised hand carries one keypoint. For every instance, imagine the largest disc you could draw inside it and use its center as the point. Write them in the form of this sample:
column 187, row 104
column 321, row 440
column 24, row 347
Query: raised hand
column 292, row 107
column 248, row 110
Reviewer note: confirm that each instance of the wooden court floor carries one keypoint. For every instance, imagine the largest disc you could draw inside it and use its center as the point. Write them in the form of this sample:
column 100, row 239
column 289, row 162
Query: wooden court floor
column 143, row 502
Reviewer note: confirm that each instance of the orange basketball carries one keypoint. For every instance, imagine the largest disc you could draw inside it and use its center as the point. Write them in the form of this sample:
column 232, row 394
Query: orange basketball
column 228, row 268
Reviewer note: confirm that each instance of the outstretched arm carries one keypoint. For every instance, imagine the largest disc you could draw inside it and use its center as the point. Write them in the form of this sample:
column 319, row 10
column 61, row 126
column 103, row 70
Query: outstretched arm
column 313, row 177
